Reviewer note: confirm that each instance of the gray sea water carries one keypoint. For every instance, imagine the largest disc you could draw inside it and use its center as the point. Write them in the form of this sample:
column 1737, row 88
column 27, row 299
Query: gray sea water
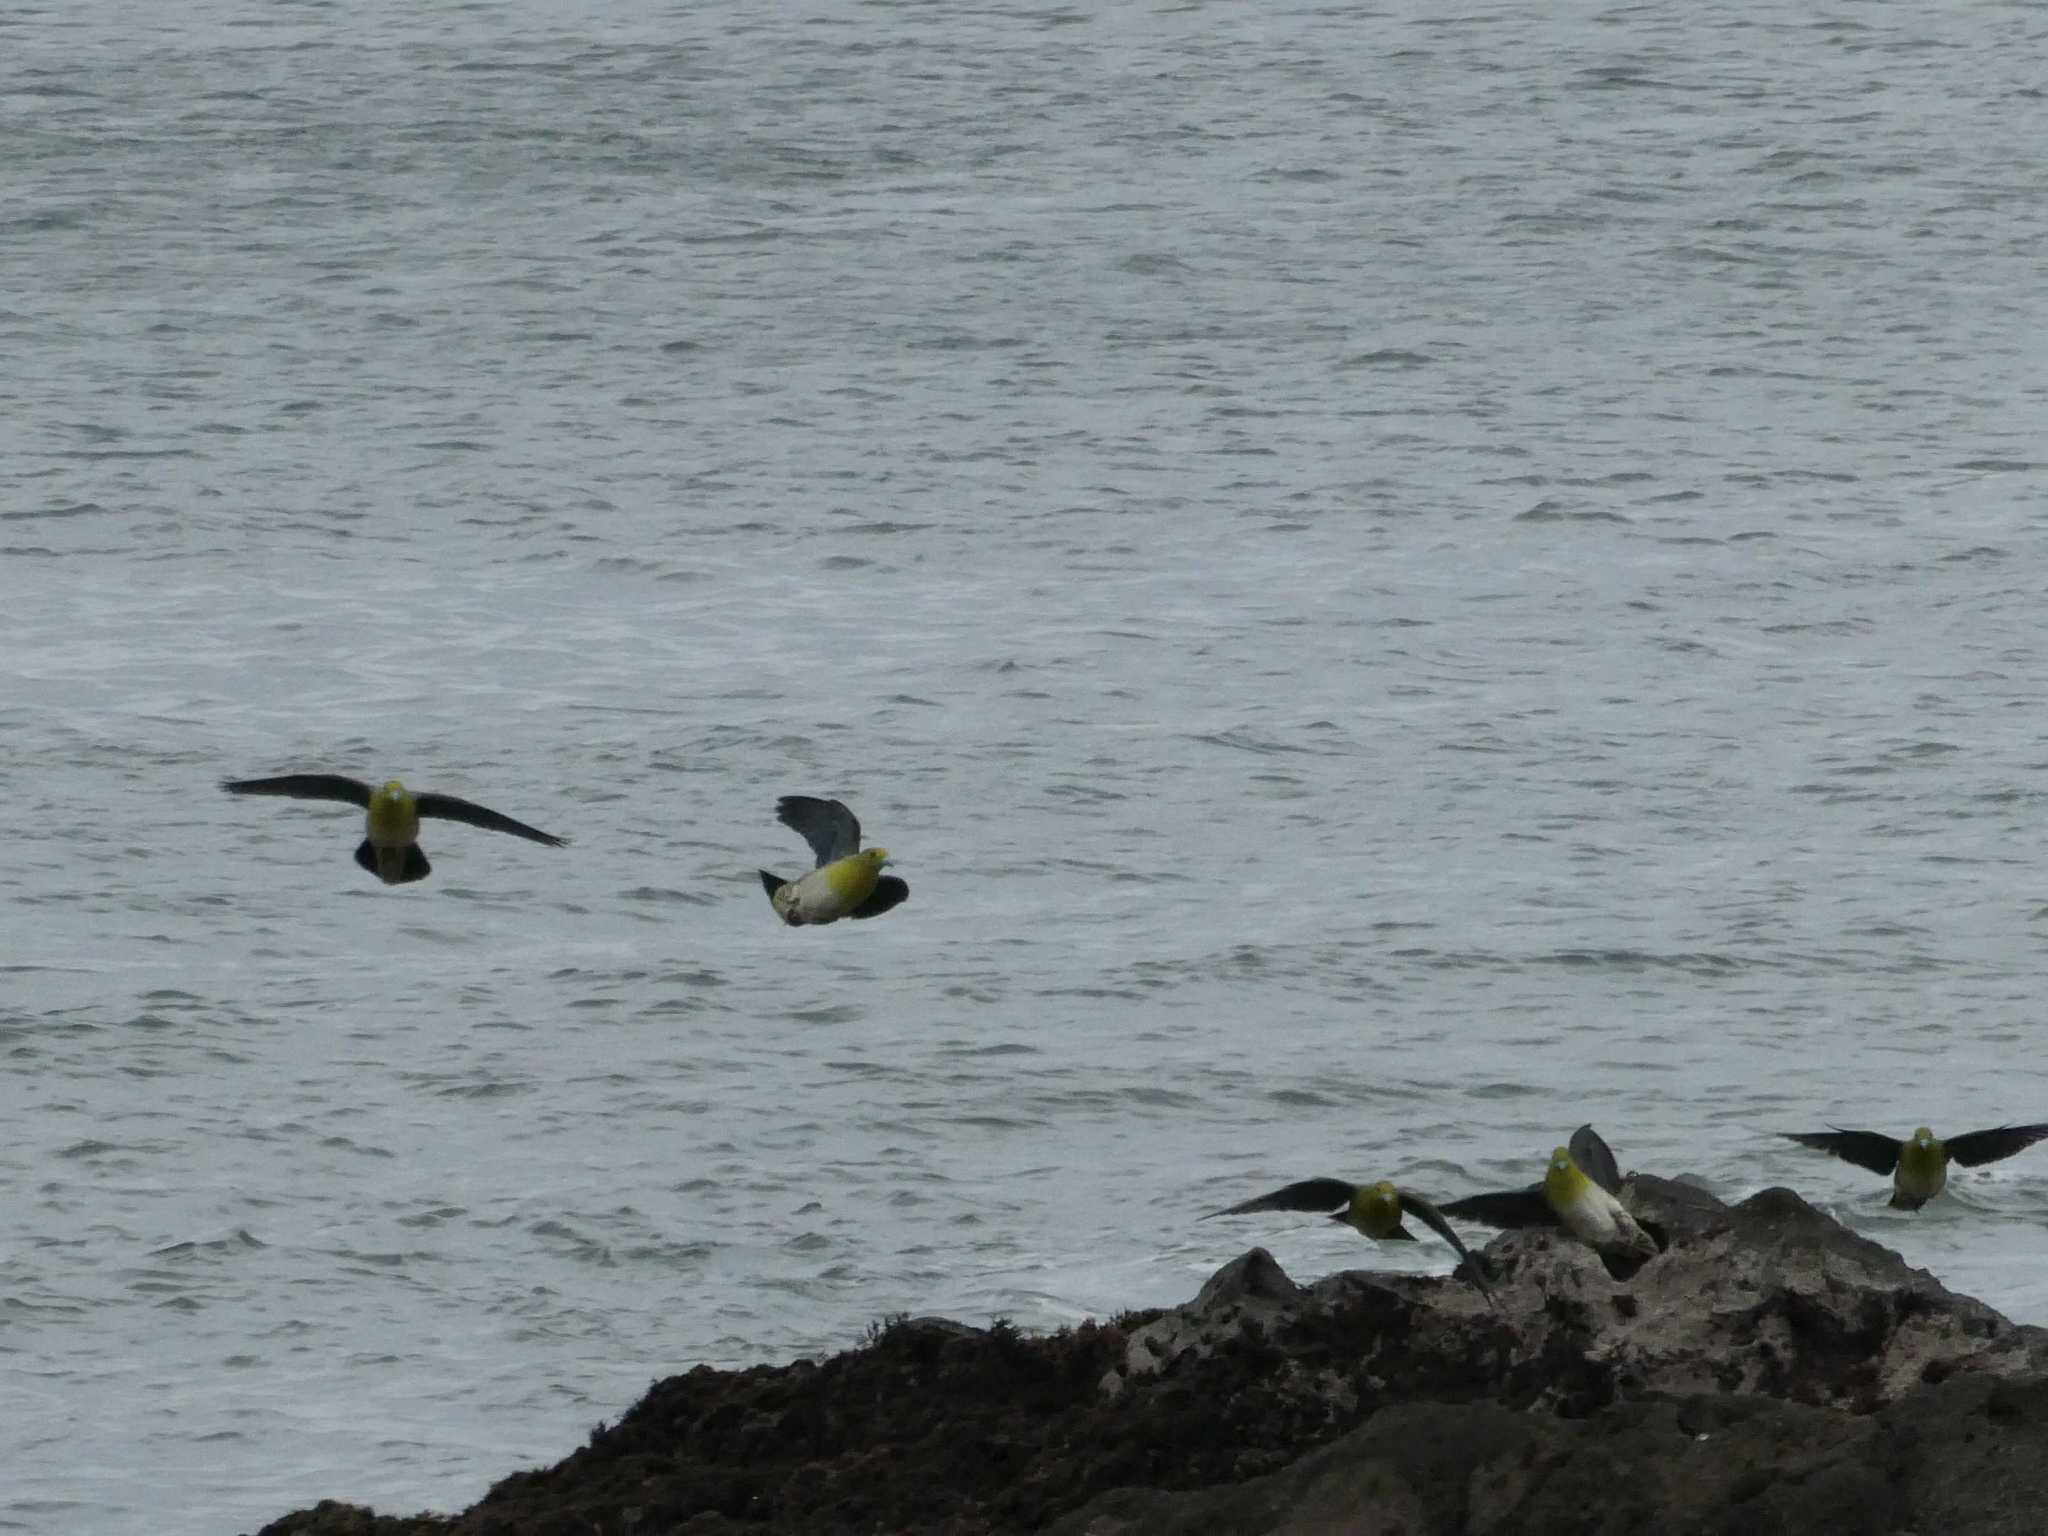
column 1394, row 581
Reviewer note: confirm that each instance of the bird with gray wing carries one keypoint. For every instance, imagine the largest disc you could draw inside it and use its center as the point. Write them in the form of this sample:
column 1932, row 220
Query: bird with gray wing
column 390, row 850
column 848, row 881
column 1919, row 1165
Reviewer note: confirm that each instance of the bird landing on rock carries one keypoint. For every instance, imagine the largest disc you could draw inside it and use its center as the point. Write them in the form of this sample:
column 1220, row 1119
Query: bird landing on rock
column 1371, row 1210
column 1919, row 1165
column 1581, row 1192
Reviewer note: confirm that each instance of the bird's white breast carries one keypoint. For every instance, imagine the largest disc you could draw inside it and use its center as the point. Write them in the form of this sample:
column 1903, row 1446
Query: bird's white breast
column 1598, row 1218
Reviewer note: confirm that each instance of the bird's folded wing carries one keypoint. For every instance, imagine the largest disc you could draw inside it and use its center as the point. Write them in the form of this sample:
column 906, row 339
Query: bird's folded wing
column 449, row 808
column 1308, row 1195
column 303, row 786
column 1974, row 1147
column 1595, row 1159
column 1866, row 1149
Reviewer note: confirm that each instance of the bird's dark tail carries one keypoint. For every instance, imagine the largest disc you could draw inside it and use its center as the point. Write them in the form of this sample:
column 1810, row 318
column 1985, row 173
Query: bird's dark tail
column 413, row 866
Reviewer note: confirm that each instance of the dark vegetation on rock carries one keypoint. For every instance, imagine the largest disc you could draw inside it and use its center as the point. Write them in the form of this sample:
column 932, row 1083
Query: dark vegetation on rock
column 1769, row 1371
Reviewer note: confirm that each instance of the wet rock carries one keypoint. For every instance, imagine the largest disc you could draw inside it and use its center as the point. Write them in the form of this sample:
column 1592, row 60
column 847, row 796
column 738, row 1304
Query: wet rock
column 1251, row 1292
column 1769, row 1371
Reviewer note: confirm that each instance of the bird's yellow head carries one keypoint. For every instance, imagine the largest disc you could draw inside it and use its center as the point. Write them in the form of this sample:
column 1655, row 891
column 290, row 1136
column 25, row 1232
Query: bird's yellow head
column 392, row 790
column 1923, row 1162
column 1923, row 1158
column 1563, row 1182
column 876, row 856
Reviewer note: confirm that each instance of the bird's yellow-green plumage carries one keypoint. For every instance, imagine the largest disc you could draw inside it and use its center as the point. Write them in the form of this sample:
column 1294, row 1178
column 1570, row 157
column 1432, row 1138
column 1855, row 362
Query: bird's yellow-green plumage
column 1588, row 1211
column 394, row 817
column 1564, row 1185
column 1923, row 1166
column 832, row 891
column 1376, row 1209
column 393, row 830
column 852, row 879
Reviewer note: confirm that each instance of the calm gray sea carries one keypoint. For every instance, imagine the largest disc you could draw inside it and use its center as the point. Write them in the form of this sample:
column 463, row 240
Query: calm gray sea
column 1395, row 581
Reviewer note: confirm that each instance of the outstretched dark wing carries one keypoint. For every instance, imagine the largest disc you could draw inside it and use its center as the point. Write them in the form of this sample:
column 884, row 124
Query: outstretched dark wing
column 888, row 892
column 1974, row 1147
column 1595, row 1160
column 1866, row 1149
column 448, row 808
column 1433, row 1218
column 829, row 827
column 1308, row 1195
column 1508, row 1208
column 303, row 786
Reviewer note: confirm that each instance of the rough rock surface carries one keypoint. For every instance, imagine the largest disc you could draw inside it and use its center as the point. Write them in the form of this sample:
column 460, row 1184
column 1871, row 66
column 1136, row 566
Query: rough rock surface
column 1770, row 1371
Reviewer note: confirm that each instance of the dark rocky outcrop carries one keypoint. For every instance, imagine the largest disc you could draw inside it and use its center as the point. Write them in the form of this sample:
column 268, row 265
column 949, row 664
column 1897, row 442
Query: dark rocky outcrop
column 1770, row 1371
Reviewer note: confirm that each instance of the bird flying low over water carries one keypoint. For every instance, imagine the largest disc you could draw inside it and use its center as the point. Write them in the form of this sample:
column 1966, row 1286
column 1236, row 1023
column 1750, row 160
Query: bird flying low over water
column 1580, row 1192
column 391, row 851
column 1374, row 1210
column 1919, row 1164
column 848, row 881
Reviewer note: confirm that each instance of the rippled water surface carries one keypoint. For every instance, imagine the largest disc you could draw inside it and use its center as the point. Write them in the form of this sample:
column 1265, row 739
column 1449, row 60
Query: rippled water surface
column 1394, row 582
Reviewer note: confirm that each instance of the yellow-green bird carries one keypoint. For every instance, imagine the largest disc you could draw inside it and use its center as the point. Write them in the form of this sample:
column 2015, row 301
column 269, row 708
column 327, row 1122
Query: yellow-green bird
column 1580, row 1192
column 1373, row 1210
column 1919, row 1164
column 391, row 851
column 848, row 881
